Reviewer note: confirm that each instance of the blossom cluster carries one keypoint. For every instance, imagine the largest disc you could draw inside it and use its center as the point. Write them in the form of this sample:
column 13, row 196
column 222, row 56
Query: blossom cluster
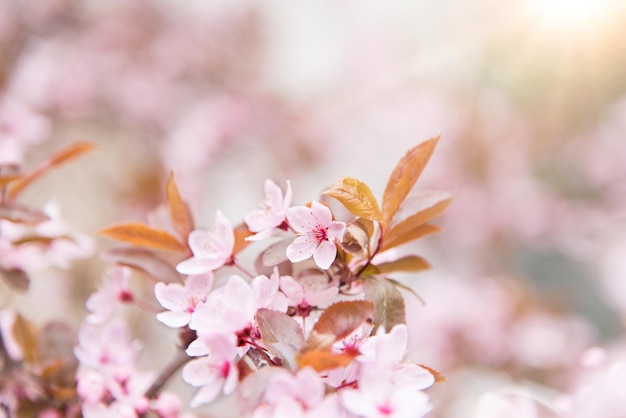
column 315, row 327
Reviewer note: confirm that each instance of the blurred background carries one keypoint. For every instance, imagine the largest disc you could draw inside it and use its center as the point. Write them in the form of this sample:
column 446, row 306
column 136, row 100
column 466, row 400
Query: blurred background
column 529, row 96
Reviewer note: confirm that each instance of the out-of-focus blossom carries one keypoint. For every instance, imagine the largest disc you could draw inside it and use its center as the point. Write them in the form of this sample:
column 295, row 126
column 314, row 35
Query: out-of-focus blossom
column 211, row 250
column 214, row 374
column 20, row 128
column 317, row 234
column 181, row 301
column 115, row 290
column 263, row 221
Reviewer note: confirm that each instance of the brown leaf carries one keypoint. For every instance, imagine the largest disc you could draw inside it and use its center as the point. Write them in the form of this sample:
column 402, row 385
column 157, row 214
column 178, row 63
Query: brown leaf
column 17, row 279
column 389, row 308
column 66, row 154
column 402, row 236
column 404, row 177
column 17, row 213
column 180, row 215
column 141, row 235
column 278, row 327
column 241, row 233
column 410, row 263
column 356, row 239
column 321, row 360
column 337, row 322
column 145, row 261
column 439, row 377
column 416, row 211
column 356, row 196
column 25, row 335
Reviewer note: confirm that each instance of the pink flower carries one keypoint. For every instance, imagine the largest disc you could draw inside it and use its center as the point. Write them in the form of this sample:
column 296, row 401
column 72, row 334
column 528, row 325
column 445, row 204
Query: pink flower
column 306, row 292
column 211, row 250
column 216, row 373
column 264, row 221
column 317, row 234
column 114, row 292
column 181, row 301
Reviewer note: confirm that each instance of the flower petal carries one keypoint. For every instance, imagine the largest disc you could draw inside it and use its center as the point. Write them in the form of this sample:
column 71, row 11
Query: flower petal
column 322, row 213
column 170, row 296
column 195, row 265
column 174, row 319
column 325, row 254
column 301, row 248
column 301, row 219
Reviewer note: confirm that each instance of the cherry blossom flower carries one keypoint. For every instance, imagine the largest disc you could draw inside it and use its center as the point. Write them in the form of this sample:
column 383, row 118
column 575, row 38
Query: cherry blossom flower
column 107, row 350
column 307, row 292
column 211, row 250
column 114, row 291
column 231, row 309
column 299, row 396
column 216, row 373
column 264, row 221
column 317, row 234
column 181, row 301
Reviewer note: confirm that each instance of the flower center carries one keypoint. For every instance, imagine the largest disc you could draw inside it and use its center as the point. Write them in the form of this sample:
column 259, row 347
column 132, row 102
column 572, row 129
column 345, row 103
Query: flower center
column 320, row 234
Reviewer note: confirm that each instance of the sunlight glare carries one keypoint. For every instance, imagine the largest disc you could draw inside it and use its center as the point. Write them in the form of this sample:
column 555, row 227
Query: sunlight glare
column 571, row 15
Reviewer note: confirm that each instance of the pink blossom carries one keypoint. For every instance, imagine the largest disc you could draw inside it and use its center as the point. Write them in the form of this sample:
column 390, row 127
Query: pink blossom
column 214, row 374
column 114, row 291
column 317, row 234
column 231, row 309
column 108, row 350
column 181, row 301
column 378, row 397
column 307, row 291
column 211, row 250
column 264, row 221
column 299, row 396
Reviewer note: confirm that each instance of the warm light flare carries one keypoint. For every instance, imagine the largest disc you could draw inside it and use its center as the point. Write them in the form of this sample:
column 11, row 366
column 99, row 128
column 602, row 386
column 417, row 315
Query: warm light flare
column 572, row 15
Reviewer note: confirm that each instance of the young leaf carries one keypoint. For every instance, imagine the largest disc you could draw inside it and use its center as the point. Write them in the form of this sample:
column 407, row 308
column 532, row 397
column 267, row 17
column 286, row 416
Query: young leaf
column 404, row 177
column 277, row 327
column 17, row 213
column 241, row 233
column 17, row 279
column 356, row 239
column 182, row 219
column 417, row 210
column 66, row 154
column 26, row 337
column 321, row 360
column 410, row 263
column 399, row 236
column 143, row 260
column 337, row 322
column 356, row 196
column 389, row 308
column 143, row 236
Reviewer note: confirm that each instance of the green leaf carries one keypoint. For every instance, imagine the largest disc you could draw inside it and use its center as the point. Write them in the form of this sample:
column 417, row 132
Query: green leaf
column 389, row 308
column 357, row 197
column 411, row 263
column 337, row 322
column 404, row 177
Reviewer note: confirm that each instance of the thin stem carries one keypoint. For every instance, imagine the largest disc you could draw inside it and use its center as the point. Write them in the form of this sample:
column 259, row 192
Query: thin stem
column 146, row 306
column 179, row 361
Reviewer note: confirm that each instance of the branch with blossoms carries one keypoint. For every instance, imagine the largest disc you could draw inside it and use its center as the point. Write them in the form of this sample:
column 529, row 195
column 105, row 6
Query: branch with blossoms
column 315, row 327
